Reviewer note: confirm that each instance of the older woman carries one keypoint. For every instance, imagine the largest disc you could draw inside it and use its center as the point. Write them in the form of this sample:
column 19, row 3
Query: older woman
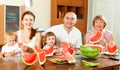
column 99, row 24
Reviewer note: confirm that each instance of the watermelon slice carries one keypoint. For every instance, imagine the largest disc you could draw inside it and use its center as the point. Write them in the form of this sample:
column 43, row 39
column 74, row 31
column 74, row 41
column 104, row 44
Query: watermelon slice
column 66, row 56
column 29, row 59
column 49, row 51
column 66, row 45
column 69, row 57
column 112, row 49
column 97, row 37
column 41, row 57
column 71, row 51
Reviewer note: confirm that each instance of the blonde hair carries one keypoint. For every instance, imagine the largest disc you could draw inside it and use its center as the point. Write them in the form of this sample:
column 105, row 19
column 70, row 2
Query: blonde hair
column 100, row 17
column 47, row 35
column 8, row 35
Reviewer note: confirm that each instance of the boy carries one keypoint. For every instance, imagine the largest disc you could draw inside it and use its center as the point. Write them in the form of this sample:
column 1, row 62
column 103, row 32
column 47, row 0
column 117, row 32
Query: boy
column 11, row 47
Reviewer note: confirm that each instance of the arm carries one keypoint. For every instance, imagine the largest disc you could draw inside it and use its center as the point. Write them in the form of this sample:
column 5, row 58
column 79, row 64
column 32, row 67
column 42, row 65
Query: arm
column 9, row 54
column 86, row 41
column 111, row 40
column 39, row 40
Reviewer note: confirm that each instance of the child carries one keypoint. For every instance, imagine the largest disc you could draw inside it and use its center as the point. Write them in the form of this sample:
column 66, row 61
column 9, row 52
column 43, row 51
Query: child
column 49, row 40
column 11, row 47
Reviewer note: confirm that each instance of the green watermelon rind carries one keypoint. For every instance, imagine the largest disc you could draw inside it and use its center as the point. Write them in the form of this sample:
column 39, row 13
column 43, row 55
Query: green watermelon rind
column 89, row 52
column 87, row 63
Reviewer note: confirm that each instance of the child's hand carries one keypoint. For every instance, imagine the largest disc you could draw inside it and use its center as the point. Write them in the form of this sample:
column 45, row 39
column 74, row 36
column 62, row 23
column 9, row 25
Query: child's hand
column 71, row 45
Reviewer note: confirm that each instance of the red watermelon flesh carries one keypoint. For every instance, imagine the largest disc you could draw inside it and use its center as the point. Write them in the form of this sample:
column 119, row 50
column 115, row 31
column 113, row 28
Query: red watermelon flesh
column 66, row 46
column 69, row 57
column 37, row 49
column 29, row 59
column 112, row 49
column 97, row 37
column 49, row 51
column 41, row 57
column 66, row 56
column 71, row 51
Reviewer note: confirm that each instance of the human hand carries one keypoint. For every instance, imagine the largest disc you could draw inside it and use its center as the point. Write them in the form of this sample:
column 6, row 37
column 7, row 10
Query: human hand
column 102, row 42
column 70, row 45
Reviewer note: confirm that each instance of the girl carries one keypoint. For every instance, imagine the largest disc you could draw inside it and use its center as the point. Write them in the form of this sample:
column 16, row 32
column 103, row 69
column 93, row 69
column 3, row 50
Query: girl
column 50, row 40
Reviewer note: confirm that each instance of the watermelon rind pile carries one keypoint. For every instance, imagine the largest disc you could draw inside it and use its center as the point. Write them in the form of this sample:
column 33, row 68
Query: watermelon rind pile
column 89, row 52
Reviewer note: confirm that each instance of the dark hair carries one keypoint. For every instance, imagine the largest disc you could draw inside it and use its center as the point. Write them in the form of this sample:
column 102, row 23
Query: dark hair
column 33, row 31
column 27, row 13
column 99, row 17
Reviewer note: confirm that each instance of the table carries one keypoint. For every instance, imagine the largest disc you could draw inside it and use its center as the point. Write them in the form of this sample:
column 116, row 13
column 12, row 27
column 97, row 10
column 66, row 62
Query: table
column 14, row 63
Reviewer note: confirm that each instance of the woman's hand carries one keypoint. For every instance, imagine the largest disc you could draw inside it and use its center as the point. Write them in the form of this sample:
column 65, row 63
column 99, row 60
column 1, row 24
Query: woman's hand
column 102, row 42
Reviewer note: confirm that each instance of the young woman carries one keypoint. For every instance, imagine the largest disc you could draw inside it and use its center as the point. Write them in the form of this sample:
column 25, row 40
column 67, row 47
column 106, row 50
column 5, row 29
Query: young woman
column 28, row 36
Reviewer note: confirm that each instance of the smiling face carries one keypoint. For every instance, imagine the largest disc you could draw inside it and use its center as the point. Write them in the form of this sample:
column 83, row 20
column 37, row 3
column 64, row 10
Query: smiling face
column 28, row 21
column 70, row 20
column 99, row 23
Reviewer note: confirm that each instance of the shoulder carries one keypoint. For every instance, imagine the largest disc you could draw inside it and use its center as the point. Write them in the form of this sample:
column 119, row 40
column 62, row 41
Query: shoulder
column 54, row 29
column 16, row 33
column 4, row 46
column 89, row 33
column 56, row 26
column 107, row 32
column 38, row 34
column 76, row 30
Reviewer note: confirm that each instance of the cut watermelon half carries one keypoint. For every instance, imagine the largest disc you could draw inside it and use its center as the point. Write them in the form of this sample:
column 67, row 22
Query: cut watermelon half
column 112, row 49
column 97, row 37
column 29, row 59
